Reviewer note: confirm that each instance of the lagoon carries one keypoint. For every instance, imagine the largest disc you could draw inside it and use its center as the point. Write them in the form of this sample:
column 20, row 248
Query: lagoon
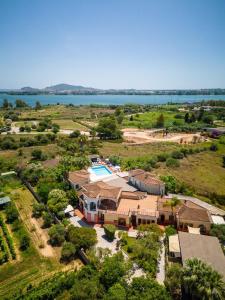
column 108, row 99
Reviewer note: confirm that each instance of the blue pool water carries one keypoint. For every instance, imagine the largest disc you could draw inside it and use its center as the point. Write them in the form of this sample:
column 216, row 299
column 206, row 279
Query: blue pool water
column 101, row 170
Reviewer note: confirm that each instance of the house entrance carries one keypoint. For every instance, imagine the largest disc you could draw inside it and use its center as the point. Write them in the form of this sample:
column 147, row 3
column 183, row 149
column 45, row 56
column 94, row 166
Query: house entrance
column 102, row 218
column 162, row 218
column 133, row 220
column 122, row 222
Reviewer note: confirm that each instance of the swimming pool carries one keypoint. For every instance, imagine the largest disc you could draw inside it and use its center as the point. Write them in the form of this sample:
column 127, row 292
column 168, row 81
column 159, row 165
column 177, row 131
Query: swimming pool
column 101, row 171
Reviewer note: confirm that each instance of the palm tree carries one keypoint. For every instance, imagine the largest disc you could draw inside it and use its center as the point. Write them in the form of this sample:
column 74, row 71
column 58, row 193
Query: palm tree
column 172, row 203
column 200, row 281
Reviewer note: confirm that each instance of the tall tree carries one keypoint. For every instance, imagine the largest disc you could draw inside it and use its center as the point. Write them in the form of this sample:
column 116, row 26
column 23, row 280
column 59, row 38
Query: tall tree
column 186, row 118
column 160, row 121
column 108, row 129
column 174, row 202
column 37, row 105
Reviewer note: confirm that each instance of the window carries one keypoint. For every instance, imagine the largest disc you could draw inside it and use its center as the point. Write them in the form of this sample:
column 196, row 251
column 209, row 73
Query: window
column 92, row 206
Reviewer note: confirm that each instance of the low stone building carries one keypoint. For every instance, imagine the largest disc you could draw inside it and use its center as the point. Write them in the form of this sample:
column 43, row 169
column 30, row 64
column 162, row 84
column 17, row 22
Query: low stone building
column 146, row 182
column 196, row 217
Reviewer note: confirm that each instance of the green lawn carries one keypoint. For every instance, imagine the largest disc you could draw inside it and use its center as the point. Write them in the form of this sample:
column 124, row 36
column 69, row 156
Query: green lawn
column 69, row 124
column 148, row 119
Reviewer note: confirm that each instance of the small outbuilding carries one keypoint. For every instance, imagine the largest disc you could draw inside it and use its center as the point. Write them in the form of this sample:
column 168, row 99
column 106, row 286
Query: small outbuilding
column 4, row 200
column 174, row 246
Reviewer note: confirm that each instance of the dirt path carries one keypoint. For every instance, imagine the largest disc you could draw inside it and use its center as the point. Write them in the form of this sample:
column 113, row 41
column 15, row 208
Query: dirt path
column 138, row 136
column 46, row 250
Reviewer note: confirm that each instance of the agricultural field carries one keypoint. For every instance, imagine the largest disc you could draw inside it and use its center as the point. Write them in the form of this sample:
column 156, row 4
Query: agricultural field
column 65, row 112
column 36, row 262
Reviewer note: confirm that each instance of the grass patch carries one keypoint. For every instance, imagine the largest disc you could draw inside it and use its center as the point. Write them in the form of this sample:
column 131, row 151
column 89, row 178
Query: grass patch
column 69, row 124
column 148, row 119
column 203, row 172
column 133, row 151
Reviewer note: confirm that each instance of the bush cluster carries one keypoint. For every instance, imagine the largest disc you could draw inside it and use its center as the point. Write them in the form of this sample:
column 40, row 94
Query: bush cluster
column 4, row 255
column 171, row 159
column 10, row 143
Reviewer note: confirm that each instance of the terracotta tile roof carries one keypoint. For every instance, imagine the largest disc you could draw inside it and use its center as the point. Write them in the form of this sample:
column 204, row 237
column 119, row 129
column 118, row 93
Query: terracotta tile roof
column 166, row 208
column 101, row 189
column 145, row 177
column 79, row 177
column 162, row 207
column 203, row 247
column 136, row 172
column 133, row 195
column 194, row 214
column 145, row 206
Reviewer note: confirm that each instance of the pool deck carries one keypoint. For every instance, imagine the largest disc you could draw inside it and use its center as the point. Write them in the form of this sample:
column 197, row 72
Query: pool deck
column 94, row 177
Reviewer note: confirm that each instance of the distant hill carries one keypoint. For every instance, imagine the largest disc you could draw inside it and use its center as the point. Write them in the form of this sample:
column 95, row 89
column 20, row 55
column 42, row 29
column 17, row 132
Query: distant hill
column 67, row 87
column 29, row 89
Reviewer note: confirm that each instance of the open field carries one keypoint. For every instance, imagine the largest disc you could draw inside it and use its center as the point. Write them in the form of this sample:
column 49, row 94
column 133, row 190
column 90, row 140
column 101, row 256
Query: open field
column 69, row 124
column 203, row 172
column 64, row 112
column 148, row 119
column 142, row 150
column 51, row 150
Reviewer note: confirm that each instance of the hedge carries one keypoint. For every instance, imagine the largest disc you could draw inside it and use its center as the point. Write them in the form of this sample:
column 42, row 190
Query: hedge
column 4, row 255
column 110, row 231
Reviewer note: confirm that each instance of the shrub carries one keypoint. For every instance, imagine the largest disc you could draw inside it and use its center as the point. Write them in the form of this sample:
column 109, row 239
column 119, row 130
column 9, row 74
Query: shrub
column 24, row 242
column 37, row 210
column 75, row 134
column 68, row 251
column 57, row 234
column 47, row 218
column 115, row 160
column 162, row 157
column 177, row 155
column 81, row 237
column 170, row 230
column 213, row 147
column 172, row 162
column 11, row 213
column 184, row 151
column 110, row 231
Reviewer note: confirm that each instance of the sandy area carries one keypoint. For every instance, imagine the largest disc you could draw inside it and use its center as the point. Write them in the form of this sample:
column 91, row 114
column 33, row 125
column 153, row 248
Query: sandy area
column 139, row 136
column 47, row 250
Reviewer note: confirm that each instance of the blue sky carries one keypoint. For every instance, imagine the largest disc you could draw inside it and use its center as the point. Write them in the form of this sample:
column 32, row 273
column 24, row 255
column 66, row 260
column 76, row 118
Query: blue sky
column 160, row 44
